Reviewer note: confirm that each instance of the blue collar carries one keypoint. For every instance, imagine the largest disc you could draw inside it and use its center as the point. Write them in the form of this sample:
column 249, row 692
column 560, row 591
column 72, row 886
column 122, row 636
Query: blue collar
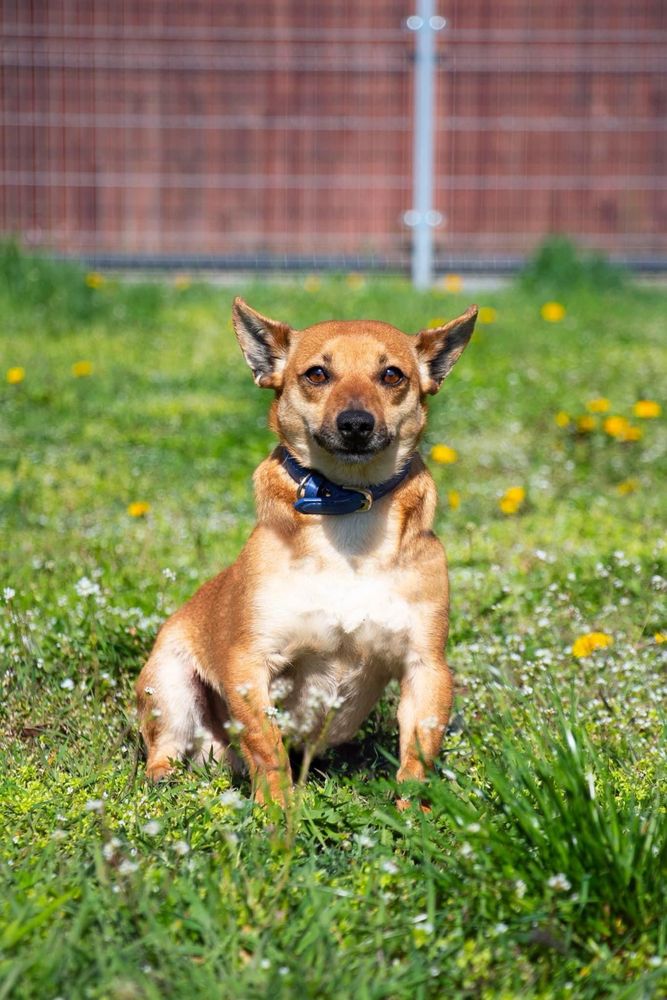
column 318, row 495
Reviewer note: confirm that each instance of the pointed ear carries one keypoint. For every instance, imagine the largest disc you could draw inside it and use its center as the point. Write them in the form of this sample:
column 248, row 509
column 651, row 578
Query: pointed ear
column 264, row 343
column 438, row 350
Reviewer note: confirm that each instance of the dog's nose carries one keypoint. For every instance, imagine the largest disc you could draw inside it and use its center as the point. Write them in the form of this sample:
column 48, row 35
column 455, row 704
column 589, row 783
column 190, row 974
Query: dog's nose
column 355, row 426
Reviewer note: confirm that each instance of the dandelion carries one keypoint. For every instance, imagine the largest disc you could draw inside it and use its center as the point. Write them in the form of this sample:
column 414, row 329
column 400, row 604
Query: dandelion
column 632, row 433
column 443, row 454
column 562, row 419
column 586, row 424
column 454, row 499
column 598, row 405
column 587, row 644
column 660, row 637
column 512, row 500
column 126, row 867
column 355, row 281
column 486, row 315
column 181, row 847
column 452, row 283
column 647, row 409
column 182, row 282
column 312, row 283
column 559, row 882
column 615, row 426
column 95, row 280
column 138, row 508
column 552, row 312
column 110, row 848
column 67, row 684
column 81, row 369
column 627, row 486
column 15, row 375
column 152, row 828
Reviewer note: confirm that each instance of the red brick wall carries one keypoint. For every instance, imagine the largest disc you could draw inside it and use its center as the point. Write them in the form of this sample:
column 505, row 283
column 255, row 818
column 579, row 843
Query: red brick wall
column 284, row 127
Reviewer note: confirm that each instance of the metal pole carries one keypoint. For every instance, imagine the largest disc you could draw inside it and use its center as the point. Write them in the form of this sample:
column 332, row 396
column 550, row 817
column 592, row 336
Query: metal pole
column 422, row 217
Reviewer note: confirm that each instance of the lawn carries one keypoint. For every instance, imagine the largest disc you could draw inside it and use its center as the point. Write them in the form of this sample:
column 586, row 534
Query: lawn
column 541, row 868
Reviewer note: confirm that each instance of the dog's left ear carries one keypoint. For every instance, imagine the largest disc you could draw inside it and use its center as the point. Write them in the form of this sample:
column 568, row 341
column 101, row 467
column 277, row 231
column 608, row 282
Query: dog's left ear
column 264, row 343
column 438, row 350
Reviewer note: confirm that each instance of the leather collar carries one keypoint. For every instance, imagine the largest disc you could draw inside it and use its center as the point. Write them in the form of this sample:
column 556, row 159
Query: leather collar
column 318, row 495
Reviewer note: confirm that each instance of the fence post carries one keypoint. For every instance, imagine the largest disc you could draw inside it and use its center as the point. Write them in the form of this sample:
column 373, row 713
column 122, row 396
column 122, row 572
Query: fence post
column 422, row 217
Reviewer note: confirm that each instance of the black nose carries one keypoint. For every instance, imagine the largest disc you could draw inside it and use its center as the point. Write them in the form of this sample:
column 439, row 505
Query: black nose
column 355, row 426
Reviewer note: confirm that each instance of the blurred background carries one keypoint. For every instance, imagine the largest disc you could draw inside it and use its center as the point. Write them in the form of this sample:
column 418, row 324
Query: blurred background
column 270, row 134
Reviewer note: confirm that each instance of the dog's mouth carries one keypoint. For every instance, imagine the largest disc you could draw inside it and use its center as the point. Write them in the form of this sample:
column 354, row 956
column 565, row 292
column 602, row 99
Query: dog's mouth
column 353, row 451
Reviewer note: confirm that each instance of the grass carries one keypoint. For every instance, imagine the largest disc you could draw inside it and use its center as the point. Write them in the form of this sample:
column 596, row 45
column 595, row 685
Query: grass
column 540, row 870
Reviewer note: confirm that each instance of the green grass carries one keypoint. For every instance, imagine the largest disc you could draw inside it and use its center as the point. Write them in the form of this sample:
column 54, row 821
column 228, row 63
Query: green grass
column 540, row 870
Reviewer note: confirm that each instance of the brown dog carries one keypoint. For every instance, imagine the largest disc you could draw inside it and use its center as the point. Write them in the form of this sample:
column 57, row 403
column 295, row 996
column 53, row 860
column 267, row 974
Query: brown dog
column 342, row 585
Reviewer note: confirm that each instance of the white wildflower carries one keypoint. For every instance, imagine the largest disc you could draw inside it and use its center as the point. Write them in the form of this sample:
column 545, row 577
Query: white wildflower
column 67, row 684
column 232, row 798
column 168, row 574
column 94, row 805
column 149, row 691
column 126, row 867
column 559, row 882
column 181, row 847
column 152, row 828
column 86, row 587
column 520, row 888
column 390, row 867
column 8, row 593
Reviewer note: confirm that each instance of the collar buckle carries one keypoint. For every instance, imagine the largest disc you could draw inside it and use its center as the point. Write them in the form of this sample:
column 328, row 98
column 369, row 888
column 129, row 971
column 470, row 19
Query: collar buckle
column 366, row 494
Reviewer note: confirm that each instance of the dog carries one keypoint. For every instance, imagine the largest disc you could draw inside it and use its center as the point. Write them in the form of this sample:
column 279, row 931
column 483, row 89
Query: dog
column 342, row 585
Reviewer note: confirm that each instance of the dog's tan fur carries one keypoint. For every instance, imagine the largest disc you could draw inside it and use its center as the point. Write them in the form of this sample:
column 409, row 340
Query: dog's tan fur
column 336, row 604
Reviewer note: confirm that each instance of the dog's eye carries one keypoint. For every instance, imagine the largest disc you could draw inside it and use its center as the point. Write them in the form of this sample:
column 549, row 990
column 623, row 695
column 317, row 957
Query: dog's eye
column 317, row 375
column 392, row 376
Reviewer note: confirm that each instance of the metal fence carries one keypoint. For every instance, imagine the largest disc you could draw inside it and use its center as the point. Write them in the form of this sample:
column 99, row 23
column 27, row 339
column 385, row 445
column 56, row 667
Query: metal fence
column 276, row 133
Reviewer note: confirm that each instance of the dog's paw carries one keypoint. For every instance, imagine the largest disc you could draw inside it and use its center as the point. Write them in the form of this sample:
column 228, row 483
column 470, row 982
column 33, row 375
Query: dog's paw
column 403, row 804
column 159, row 770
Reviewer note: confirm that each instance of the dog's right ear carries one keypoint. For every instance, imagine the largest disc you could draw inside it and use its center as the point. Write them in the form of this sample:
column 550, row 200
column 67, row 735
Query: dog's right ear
column 264, row 343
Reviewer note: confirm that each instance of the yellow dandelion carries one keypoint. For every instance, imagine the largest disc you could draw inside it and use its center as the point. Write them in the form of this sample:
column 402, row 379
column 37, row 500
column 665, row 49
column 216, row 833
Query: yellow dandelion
column 627, row 486
column 660, row 637
column 452, row 283
column 631, row 433
column 615, row 426
column 598, row 405
column 516, row 494
column 95, row 280
column 586, row 644
column 182, row 282
column 454, row 499
column 487, row 314
column 443, row 454
column 562, row 419
column 80, row 369
column 647, row 409
column 586, row 424
column 552, row 312
column 354, row 280
column 508, row 506
column 15, row 375
column 138, row 508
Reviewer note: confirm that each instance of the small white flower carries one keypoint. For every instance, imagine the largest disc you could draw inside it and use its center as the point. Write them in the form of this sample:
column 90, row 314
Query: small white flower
column 232, row 798
column 500, row 928
column 364, row 840
column 110, row 848
column 181, row 847
column 86, row 587
column 152, row 828
column 67, row 684
column 473, row 828
column 390, row 867
column 234, row 727
column 59, row 835
column 149, row 691
column 8, row 593
column 126, row 867
column 265, row 963
column 559, row 883
column 271, row 712
column 94, row 805
column 168, row 574
column 466, row 849
column 283, row 970
column 520, row 888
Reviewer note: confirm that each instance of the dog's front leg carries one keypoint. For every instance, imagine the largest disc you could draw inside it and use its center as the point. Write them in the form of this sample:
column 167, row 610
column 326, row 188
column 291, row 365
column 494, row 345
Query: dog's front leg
column 259, row 737
column 423, row 713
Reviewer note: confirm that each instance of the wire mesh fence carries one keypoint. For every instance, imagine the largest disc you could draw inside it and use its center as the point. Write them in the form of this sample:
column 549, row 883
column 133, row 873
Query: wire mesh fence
column 274, row 133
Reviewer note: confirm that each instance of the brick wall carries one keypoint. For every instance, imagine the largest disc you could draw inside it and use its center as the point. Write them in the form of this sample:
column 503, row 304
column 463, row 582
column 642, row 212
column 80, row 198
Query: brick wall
column 228, row 129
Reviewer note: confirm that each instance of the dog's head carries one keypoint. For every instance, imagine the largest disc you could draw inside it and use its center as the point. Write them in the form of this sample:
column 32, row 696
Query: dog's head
column 350, row 396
